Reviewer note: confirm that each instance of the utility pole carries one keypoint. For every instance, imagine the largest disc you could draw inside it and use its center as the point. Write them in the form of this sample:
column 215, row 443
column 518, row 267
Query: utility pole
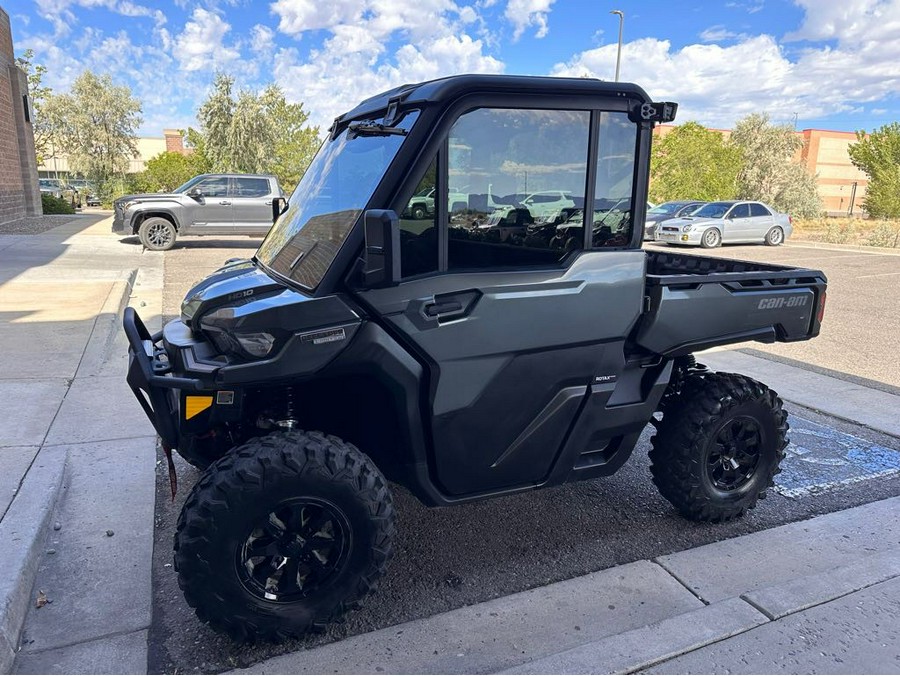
column 621, row 16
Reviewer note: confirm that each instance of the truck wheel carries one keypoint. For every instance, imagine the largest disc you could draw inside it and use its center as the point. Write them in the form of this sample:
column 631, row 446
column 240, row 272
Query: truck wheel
column 283, row 535
column 718, row 446
column 418, row 212
column 775, row 236
column 711, row 239
column 157, row 234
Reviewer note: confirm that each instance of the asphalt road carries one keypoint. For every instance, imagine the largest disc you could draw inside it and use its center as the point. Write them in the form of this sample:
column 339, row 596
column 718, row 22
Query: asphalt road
column 447, row 558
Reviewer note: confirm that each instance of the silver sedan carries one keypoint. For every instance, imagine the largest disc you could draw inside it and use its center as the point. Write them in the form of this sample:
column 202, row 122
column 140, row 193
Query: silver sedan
column 727, row 223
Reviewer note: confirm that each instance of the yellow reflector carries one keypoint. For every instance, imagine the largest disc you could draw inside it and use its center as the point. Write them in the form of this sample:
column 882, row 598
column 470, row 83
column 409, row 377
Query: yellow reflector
column 195, row 405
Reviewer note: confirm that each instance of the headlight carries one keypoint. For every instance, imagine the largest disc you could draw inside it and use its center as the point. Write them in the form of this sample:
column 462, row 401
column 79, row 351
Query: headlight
column 686, row 228
column 128, row 205
column 256, row 344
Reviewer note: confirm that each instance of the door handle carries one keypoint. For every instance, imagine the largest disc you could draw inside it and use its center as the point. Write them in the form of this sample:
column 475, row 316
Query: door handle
column 443, row 308
column 269, row 203
column 225, row 203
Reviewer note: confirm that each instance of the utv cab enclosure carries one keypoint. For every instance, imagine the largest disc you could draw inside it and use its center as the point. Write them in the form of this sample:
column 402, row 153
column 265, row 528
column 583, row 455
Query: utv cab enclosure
column 460, row 361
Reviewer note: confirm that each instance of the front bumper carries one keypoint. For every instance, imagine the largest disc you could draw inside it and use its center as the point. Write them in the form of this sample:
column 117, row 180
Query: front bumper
column 121, row 224
column 175, row 383
column 692, row 238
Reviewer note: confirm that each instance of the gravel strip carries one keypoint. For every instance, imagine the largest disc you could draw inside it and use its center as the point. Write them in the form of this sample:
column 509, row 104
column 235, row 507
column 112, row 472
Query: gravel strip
column 35, row 225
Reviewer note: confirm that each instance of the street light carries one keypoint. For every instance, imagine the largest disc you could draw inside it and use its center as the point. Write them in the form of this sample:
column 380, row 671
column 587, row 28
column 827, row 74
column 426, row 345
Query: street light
column 621, row 15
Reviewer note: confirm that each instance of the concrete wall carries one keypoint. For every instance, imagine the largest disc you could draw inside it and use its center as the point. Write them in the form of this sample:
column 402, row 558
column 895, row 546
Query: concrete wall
column 19, row 192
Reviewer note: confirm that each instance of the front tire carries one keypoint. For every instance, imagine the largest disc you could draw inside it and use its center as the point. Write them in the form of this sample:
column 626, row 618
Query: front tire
column 711, row 239
column 418, row 212
column 718, row 446
column 283, row 535
column 157, row 234
column 775, row 236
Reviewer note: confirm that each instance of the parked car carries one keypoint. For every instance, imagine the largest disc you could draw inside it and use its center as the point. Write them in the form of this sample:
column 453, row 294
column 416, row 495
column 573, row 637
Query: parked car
column 209, row 204
column 665, row 211
column 87, row 193
column 421, row 205
column 546, row 204
column 727, row 223
column 55, row 187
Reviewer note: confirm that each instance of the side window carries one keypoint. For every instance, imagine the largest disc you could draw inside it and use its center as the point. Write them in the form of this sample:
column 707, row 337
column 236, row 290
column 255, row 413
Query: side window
column 214, row 187
column 758, row 210
column 418, row 228
column 740, row 211
column 518, row 180
column 251, row 187
column 613, row 221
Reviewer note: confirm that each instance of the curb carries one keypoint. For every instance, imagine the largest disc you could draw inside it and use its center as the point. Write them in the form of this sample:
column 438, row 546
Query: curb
column 22, row 533
column 813, row 244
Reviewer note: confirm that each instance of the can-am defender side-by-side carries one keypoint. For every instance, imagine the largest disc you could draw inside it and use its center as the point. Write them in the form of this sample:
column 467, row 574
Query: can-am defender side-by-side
column 484, row 349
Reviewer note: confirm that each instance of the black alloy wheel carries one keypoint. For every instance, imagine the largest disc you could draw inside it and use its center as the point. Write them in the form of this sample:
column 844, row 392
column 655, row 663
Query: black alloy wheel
column 735, row 454
column 297, row 551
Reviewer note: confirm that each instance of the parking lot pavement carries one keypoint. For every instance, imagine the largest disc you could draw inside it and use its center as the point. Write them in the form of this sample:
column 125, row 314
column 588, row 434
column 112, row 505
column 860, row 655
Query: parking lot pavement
column 449, row 558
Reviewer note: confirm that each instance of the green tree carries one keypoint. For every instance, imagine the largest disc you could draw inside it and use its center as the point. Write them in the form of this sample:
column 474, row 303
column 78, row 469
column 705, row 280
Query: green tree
column 769, row 172
column 169, row 170
column 693, row 162
column 41, row 100
column 254, row 133
column 878, row 154
column 97, row 127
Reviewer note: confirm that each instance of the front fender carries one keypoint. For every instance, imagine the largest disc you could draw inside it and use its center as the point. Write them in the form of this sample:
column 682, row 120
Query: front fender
column 140, row 213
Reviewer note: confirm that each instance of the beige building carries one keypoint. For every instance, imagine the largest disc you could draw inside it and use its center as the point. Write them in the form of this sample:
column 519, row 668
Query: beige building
column 840, row 184
column 57, row 165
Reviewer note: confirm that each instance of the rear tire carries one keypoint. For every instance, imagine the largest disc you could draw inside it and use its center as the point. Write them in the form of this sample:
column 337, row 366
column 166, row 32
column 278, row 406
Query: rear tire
column 418, row 212
column 775, row 236
column 157, row 234
column 718, row 446
column 318, row 515
column 711, row 239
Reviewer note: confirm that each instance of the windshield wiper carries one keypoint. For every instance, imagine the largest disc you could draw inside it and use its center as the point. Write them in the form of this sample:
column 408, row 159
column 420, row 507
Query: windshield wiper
column 374, row 129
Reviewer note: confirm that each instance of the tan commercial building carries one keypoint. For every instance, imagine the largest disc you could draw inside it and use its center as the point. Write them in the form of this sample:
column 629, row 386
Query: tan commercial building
column 841, row 185
column 57, row 165
column 19, row 192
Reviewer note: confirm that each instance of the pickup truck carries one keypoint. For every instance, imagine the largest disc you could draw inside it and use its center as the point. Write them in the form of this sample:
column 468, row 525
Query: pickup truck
column 209, row 204
column 358, row 347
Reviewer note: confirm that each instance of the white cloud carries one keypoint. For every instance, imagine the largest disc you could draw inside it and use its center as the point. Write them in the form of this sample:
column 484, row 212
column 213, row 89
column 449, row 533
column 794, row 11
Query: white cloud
column 64, row 14
column 201, row 45
column 262, row 39
column 298, row 16
column 718, row 84
column 849, row 21
column 525, row 13
column 719, row 33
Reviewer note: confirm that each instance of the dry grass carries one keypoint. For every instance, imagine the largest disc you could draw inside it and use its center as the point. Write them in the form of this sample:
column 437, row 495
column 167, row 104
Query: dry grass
column 864, row 232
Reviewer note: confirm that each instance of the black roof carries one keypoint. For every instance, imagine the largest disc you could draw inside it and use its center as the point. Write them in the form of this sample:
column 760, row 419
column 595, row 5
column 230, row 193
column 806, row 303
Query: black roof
column 449, row 88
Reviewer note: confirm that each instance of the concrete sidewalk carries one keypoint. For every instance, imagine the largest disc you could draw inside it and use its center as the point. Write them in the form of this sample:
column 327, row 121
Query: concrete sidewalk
column 76, row 451
column 816, row 596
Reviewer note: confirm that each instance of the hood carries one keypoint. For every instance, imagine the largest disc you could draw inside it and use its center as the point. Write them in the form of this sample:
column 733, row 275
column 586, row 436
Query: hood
column 234, row 283
column 688, row 220
column 148, row 197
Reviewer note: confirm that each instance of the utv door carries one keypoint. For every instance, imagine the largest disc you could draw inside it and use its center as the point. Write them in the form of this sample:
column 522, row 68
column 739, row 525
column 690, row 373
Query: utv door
column 513, row 332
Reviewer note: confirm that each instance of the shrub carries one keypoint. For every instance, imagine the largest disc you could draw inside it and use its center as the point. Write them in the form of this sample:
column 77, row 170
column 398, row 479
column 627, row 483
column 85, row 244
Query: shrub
column 886, row 234
column 55, row 205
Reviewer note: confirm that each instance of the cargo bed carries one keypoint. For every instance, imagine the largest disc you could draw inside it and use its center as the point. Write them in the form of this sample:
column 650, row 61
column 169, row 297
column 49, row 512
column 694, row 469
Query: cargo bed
column 697, row 302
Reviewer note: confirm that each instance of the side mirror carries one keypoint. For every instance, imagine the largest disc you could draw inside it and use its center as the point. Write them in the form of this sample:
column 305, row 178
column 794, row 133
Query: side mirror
column 279, row 206
column 381, row 259
column 195, row 193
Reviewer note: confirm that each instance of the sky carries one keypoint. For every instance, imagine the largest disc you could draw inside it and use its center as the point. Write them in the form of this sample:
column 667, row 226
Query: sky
column 828, row 64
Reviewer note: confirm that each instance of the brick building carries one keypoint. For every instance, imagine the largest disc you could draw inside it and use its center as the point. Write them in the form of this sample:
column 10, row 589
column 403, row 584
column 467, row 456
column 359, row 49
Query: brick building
column 57, row 166
column 841, row 185
column 19, row 192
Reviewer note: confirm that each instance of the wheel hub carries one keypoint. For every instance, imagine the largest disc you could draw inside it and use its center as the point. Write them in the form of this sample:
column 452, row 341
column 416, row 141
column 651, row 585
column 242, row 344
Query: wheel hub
column 735, row 454
column 298, row 548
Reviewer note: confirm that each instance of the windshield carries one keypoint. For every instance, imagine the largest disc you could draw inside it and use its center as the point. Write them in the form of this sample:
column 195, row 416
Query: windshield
column 668, row 208
column 184, row 187
column 712, row 210
column 49, row 182
column 327, row 202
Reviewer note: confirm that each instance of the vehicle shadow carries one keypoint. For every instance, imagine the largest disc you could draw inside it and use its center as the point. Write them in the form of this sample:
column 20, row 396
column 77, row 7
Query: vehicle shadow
column 204, row 242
